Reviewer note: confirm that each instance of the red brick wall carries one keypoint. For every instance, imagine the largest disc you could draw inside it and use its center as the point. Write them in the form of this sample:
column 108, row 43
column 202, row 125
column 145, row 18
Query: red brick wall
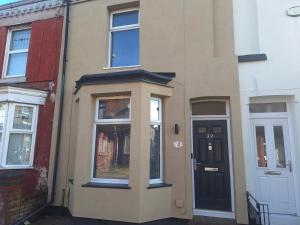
column 22, row 195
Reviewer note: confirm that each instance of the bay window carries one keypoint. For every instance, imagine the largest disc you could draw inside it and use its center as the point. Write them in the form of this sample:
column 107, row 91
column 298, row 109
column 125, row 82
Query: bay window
column 17, row 134
column 112, row 140
column 156, row 155
column 17, row 52
column 124, row 39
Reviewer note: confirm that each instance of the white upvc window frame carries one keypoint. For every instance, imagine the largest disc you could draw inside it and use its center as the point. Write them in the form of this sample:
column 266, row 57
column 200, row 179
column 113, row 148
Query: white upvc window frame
column 160, row 123
column 98, row 121
column 120, row 28
column 8, row 52
column 8, row 129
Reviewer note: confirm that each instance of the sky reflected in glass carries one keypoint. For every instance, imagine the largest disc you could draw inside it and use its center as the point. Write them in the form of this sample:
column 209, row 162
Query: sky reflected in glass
column 7, row 1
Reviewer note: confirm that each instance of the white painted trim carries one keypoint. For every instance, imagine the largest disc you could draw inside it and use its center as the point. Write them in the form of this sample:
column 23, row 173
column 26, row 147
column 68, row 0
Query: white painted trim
column 121, row 28
column 22, row 95
column 214, row 213
column 8, row 52
column 211, row 213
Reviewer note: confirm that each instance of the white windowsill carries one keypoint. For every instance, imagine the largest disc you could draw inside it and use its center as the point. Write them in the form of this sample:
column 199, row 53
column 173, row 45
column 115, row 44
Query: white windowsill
column 13, row 79
column 120, row 67
column 17, row 168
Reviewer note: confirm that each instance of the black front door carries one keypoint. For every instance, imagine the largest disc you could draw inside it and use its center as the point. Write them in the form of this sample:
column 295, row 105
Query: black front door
column 211, row 165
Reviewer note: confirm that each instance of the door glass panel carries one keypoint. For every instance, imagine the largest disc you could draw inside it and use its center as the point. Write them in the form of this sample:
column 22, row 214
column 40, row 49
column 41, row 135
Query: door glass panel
column 209, row 108
column 202, row 130
column 279, row 147
column 217, row 130
column 261, row 146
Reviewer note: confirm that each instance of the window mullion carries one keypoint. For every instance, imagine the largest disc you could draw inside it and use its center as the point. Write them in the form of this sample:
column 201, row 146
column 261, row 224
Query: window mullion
column 124, row 28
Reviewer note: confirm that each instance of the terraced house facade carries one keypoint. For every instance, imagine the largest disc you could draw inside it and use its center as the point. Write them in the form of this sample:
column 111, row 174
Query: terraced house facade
column 144, row 120
column 151, row 125
column 30, row 43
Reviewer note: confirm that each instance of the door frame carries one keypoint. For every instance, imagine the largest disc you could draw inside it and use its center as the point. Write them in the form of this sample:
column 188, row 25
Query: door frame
column 278, row 115
column 215, row 213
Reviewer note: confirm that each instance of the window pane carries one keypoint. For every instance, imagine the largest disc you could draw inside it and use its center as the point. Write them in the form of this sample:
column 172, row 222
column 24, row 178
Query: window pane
column 155, row 152
column 125, row 18
column 125, row 49
column 19, row 148
column 20, row 40
column 154, row 110
column 112, row 151
column 2, row 115
column 114, row 109
column 279, row 147
column 209, row 108
column 23, row 117
column 17, row 64
column 261, row 146
column 267, row 107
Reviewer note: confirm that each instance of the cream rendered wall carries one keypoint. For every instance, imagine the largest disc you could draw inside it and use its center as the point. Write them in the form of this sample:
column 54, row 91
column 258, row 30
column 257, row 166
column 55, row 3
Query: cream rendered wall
column 277, row 35
column 192, row 38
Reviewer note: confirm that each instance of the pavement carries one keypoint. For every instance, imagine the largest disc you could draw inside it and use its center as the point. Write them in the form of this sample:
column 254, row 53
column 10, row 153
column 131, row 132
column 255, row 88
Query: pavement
column 68, row 220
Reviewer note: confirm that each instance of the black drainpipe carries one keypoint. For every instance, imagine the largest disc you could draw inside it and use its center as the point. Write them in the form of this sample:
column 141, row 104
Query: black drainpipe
column 58, row 135
column 62, row 92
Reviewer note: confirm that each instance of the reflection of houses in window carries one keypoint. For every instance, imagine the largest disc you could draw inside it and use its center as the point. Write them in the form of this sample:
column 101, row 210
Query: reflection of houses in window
column 105, row 152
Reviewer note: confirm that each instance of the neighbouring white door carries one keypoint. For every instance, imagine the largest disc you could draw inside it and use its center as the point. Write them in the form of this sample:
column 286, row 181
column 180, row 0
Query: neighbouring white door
column 273, row 167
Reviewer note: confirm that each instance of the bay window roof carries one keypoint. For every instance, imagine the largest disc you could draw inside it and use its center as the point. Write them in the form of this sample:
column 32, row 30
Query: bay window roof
column 125, row 77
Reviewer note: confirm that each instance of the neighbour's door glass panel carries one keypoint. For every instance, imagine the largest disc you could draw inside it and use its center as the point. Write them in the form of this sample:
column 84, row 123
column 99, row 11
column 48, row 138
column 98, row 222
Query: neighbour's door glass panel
column 261, row 146
column 279, row 147
column 209, row 108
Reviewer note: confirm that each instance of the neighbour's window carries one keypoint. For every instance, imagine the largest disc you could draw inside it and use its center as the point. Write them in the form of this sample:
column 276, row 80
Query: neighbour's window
column 112, row 145
column 17, row 134
column 273, row 107
column 156, row 155
column 124, row 39
column 17, row 53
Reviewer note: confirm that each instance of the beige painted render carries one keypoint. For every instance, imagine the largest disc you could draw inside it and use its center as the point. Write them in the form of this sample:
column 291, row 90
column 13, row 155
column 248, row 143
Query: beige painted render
column 192, row 38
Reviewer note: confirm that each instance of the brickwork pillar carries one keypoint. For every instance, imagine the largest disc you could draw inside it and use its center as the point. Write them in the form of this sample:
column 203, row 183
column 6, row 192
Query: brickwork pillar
column 10, row 196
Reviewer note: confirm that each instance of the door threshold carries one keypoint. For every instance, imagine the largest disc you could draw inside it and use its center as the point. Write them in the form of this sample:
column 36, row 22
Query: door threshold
column 214, row 213
column 279, row 219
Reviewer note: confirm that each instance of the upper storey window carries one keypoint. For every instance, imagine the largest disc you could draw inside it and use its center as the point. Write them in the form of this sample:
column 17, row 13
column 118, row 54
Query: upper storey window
column 124, row 39
column 17, row 52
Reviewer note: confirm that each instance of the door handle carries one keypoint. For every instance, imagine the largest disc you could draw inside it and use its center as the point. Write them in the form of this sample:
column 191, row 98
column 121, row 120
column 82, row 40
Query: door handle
column 289, row 165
